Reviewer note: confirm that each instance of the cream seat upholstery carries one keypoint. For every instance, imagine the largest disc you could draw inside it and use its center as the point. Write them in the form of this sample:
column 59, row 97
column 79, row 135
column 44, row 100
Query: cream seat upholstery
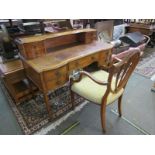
column 93, row 91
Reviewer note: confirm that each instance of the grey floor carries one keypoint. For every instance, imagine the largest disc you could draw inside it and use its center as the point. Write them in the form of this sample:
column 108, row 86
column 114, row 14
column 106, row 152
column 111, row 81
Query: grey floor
column 8, row 122
column 138, row 114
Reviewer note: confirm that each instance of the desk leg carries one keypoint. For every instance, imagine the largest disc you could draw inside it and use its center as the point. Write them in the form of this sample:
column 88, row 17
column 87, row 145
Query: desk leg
column 46, row 99
column 30, row 85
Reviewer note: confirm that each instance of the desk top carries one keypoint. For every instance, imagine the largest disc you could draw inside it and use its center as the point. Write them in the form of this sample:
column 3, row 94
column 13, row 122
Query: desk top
column 36, row 38
column 59, row 58
column 11, row 66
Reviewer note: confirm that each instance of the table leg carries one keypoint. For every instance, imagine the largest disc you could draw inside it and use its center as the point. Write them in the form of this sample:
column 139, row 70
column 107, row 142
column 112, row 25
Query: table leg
column 49, row 109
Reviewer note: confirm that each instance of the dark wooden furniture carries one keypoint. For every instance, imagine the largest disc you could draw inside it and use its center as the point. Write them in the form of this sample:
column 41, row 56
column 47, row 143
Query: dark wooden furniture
column 48, row 59
column 103, row 88
column 143, row 28
column 146, row 29
column 13, row 75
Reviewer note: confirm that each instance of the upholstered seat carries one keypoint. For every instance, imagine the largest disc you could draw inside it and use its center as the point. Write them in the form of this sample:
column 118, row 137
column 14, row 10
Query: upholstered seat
column 95, row 92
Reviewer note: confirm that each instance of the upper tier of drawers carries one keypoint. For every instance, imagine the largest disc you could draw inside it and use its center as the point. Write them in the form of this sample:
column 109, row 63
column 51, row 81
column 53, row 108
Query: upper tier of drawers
column 36, row 46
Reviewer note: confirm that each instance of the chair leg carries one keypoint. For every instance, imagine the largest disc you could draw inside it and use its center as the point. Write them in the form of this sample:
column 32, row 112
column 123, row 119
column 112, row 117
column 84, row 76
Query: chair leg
column 120, row 105
column 103, row 117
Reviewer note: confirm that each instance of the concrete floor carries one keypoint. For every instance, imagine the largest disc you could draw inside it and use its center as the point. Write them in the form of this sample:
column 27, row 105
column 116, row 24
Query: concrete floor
column 138, row 114
column 139, row 103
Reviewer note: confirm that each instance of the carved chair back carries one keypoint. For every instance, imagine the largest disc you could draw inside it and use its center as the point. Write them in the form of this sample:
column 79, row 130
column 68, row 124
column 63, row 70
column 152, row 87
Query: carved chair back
column 121, row 71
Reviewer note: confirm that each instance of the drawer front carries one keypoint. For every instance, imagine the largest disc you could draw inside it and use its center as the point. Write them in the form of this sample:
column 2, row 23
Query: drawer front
column 33, row 50
column 55, row 83
column 104, row 58
column 83, row 62
column 55, row 74
column 55, row 78
column 89, row 37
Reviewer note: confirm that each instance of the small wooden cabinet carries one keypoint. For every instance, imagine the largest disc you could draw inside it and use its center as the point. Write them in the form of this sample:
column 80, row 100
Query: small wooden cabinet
column 15, row 80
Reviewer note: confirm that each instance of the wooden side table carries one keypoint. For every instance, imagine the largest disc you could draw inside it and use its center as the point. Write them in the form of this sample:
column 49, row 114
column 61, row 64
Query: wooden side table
column 14, row 78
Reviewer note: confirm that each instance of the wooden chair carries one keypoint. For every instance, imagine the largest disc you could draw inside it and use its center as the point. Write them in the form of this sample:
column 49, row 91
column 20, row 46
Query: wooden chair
column 102, row 87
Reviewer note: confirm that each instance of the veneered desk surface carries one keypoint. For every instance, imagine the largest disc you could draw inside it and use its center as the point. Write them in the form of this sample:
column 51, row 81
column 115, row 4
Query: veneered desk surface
column 59, row 58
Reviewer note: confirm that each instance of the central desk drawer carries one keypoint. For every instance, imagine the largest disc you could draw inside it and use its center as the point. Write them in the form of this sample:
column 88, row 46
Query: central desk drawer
column 83, row 62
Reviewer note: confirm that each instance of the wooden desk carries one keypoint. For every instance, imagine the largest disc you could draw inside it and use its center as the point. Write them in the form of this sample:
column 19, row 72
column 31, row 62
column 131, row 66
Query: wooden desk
column 48, row 59
column 52, row 70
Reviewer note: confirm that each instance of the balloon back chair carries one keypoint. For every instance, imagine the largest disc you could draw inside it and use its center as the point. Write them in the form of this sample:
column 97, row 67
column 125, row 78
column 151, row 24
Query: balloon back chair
column 102, row 87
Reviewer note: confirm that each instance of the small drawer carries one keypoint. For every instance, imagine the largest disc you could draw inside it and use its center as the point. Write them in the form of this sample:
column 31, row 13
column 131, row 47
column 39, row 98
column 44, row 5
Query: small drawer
column 55, row 83
column 83, row 62
column 55, row 74
column 88, row 60
column 33, row 50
